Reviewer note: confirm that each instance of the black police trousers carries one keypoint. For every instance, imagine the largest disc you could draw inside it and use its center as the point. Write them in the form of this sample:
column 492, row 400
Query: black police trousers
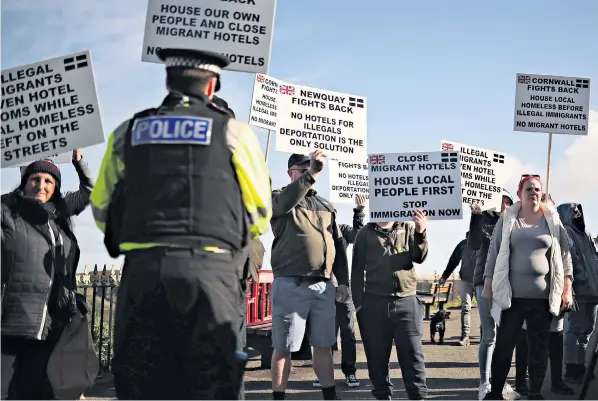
column 176, row 330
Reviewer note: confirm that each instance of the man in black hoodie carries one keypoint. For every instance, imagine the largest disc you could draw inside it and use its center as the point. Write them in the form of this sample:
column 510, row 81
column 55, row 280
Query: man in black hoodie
column 481, row 227
column 585, row 285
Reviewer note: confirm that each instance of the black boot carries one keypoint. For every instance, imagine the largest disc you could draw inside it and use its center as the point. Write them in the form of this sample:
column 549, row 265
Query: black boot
column 555, row 353
column 574, row 373
column 571, row 370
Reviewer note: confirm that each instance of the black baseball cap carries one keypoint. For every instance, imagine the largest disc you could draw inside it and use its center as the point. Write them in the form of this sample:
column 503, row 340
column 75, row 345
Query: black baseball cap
column 297, row 159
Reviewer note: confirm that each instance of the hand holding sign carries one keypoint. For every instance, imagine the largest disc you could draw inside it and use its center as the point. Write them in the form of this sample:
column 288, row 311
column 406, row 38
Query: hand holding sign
column 475, row 208
column 360, row 202
column 77, row 155
column 420, row 220
column 317, row 162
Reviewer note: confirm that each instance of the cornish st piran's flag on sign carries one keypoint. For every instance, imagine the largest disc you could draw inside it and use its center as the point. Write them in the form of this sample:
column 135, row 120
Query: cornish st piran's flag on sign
column 447, row 146
column 377, row 159
column 287, row 90
column 260, row 78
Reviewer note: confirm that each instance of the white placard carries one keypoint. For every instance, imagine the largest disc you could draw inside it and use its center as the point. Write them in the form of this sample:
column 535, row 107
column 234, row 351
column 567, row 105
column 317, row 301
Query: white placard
column 315, row 119
column 264, row 102
column 241, row 30
column 401, row 183
column 347, row 179
column 483, row 174
column 49, row 107
column 551, row 104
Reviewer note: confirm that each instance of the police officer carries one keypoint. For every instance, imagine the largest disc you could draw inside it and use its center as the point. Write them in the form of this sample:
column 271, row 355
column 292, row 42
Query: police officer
column 195, row 191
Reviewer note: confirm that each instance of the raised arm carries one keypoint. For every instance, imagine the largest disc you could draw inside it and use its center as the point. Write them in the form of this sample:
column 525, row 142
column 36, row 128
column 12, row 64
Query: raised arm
column 358, row 267
column 77, row 201
column 493, row 250
column 340, row 267
column 284, row 200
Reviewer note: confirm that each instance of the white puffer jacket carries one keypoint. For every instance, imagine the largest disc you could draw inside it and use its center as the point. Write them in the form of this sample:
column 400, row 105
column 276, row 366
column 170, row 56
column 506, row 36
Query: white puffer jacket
column 560, row 259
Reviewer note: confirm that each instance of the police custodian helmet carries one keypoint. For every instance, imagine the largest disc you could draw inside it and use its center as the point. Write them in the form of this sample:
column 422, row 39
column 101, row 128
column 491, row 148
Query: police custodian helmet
column 196, row 59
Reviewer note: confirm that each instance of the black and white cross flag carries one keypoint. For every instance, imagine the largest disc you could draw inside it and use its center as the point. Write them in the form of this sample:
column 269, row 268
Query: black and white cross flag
column 356, row 102
column 72, row 63
column 449, row 157
column 582, row 83
column 499, row 158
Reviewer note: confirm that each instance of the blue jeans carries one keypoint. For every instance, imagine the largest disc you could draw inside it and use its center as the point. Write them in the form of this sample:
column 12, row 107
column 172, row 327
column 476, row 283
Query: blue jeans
column 577, row 335
column 488, row 336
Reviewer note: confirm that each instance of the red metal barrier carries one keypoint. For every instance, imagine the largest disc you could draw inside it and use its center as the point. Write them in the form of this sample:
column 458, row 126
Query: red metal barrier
column 259, row 299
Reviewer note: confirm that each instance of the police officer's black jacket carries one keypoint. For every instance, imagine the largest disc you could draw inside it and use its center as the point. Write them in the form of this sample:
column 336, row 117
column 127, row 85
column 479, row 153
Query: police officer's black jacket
column 183, row 194
column 38, row 279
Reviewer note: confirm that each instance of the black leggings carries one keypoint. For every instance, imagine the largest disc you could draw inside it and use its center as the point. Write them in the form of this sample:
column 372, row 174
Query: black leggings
column 538, row 317
column 555, row 354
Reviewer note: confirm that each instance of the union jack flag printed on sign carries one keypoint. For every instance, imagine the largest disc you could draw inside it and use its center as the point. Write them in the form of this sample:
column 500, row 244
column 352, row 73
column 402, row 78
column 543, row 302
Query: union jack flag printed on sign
column 524, row 79
column 447, row 146
column 287, row 90
column 260, row 78
column 377, row 159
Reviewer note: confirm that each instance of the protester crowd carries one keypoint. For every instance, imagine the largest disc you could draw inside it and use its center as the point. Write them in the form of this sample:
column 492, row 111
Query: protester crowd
column 180, row 316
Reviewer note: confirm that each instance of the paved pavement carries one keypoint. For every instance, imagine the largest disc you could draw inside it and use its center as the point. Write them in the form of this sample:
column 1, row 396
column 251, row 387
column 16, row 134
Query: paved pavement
column 452, row 373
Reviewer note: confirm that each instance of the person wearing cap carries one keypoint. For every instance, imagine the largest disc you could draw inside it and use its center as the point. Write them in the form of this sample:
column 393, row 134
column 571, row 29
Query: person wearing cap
column 481, row 226
column 307, row 248
column 40, row 254
column 194, row 190
column 466, row 256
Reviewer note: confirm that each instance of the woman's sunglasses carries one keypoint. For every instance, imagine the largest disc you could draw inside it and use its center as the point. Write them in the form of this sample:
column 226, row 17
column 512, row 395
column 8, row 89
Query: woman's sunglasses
column 526, row 176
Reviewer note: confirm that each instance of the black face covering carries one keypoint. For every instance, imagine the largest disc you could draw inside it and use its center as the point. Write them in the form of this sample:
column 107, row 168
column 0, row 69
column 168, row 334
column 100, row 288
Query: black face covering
column 578, row 220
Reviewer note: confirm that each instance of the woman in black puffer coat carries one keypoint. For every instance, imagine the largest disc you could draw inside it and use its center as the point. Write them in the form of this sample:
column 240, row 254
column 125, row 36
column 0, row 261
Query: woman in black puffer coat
column 39, row 261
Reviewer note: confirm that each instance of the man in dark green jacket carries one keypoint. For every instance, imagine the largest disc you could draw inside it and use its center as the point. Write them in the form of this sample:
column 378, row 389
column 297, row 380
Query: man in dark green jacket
column 307, row 249
column 383, row 284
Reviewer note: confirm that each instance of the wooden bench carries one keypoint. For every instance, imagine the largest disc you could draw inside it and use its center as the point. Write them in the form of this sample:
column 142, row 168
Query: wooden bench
column 437, row 294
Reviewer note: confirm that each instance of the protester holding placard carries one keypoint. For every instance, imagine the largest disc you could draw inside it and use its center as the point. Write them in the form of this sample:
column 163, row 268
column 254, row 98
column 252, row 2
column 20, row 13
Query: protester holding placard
column 39, row 261
column 307, row 248
column 77, row 201
column 528, row 277
column 384, row 284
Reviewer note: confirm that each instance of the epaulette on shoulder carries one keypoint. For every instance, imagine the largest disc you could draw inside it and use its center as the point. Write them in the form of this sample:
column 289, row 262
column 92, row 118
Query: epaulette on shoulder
column 145, row 113
column 219, row 109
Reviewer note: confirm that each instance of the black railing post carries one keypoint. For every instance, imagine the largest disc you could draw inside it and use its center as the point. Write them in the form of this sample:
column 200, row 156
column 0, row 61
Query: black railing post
column 101, row 283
